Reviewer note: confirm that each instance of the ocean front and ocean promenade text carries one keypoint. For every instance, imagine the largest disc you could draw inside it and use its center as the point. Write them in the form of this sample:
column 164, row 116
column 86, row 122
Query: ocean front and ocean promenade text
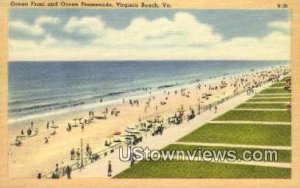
column 90, row 4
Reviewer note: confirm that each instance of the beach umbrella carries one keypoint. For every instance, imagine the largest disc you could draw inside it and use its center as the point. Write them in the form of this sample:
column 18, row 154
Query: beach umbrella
column 110, row 136
column 54, row 126
column 21, row 136
column 75, row 119
column 117, row 133
column 180, row 110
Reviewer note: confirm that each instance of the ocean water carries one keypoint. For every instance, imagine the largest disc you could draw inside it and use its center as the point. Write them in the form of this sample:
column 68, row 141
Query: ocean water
column 43, row 87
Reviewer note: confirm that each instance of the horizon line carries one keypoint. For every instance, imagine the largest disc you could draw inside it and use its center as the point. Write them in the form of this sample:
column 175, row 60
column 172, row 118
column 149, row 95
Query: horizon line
column 141, row 60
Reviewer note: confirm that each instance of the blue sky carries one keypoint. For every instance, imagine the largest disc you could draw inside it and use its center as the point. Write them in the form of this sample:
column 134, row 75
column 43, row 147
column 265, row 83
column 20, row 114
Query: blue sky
column 198, row 34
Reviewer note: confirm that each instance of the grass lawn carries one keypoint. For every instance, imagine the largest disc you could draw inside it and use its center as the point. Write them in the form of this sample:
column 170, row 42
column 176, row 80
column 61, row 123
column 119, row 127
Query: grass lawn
column 278, row 84
column 260, row 106
column 188, row 169
column 283, row 155
column 286, row 78
column 274, row 90
column 270, row 100
column 280, row 116
column 254, row 134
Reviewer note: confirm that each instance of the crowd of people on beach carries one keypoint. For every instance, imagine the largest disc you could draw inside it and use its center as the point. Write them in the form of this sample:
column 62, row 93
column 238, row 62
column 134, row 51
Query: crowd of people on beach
column 204, row 91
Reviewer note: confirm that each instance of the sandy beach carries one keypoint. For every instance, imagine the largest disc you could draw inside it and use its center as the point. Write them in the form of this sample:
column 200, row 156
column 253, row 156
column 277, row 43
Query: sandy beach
column 35, row 156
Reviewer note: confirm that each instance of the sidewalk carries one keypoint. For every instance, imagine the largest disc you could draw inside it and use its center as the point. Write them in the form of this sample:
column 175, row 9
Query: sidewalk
column 234, row 145
column 252, row 122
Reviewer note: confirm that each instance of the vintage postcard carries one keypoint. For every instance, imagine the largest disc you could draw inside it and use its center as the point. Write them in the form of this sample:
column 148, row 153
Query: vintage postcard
column 149, row 93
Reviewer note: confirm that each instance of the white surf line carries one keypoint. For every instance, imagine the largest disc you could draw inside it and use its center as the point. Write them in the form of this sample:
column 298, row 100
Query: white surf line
column 240, row 162
column 267, row 102
column 270, row 94
column 251, row 122
column 258, row 109
column 234, row 145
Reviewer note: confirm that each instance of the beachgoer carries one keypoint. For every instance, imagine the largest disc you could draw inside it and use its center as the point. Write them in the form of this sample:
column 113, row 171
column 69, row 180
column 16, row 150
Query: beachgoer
column 216, row 108
column 56, row 171
column 69, row 127
column 29, row 132
column 72, row 153
column 68, row 171
column 87, row 149
column 31, row 125
column 39, row 176
column 22, row 132
column 78, row 154
column 46, row 140
column 18, row 142
column 47, row 125
column 109, row 170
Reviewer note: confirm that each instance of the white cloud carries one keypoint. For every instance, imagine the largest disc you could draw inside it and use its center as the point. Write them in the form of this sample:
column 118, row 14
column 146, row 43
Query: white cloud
column 24, row 27
column 85, row 25
column 283, row 25
column 47, row 20
column 35, row 29
column 181, row 38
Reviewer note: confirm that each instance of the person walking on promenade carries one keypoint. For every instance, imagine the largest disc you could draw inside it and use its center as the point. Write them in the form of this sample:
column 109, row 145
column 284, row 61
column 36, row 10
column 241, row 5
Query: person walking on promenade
column 109, row 170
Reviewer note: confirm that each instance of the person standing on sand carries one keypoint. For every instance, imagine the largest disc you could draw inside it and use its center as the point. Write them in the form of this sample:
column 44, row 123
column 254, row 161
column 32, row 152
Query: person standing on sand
column 68, row 172
column 216, row 108
column 72, row 153
column 109, row 170
column 47, row 125
column 78, row 154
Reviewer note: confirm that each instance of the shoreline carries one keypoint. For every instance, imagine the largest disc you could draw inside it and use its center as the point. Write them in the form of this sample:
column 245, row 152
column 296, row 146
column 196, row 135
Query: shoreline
column 36, row 156
column 118, row 101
